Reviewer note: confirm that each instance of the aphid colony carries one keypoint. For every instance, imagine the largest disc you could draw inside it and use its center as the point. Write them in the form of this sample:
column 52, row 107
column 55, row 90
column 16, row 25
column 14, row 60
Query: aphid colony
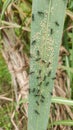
column 37, row 91
column 40, row 13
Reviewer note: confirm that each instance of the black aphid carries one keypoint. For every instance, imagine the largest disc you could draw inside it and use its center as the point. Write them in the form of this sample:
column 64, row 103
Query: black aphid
column 43, row 61
column 36, row 112
column 56, row 23
column 51, row 93
column 38, row 77
column 40, row 84
column 33, row 90
column 47, row 83
column 53, row 78
column 40, row 71
column 48, row 64
column 44, row 78
column 30, row 55
column 38, row 59
column 36, row 95
column 38, row 53
column 40, row 13
column 38, row 91
column 32, row 17
column 29, row 90
column 51, row 31
column 49, row 73
column 42, row 96
column 31, row 72
column 37, row 102
column 33, row 42
column 41, row 100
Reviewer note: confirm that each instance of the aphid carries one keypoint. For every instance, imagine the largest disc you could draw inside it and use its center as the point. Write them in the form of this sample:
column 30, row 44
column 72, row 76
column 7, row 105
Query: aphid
column 43, row 61
column 38, row 59
column 30, row 55
column 56, row 23
column 53, row 78
column 40, row 84
column 47, row 83
column 40, row 71
column 38, row 77
column 32, row 17
column 37, row 102
column 42, row 96
column 33, row 42
column 40, row 13
column 38, row 91
column 48, row 64
column 36, row 112
column 29, row 90
column 49, row 73
column 51, row 93
column 31, row 72
column 33, row 90
column 51, row 31
column 44, row 78
column 37, row 95
column 41, row 100
column 38, row 53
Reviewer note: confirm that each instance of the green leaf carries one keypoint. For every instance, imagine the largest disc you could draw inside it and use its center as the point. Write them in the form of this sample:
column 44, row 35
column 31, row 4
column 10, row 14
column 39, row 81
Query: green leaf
column 61, row 100
column 47, row 27
column 63, row 122
column 6, row 3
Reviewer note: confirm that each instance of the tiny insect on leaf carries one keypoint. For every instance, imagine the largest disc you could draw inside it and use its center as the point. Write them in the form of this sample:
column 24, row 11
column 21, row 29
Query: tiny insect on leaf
column 33, row 90
column 40, row 13
column 47, row 83
column 33, row 42
column 49, row 73
column 31, row 72
column 38, row 59
column 51, row 93
column 43, row 61
column 30, row 55
column 42, row 96
column 56, row 23
column 37, row 102
column 38, row 77
column 51, row 31
column 36, row 95
column 48, row 64
column 41, row 100
column 32, row 17
column 29, row 90
column 40, row 71
column 40, row 84
column 53, row 78
column 44, row 78
column 38, row 91
column 36, row 112
column 38, row 53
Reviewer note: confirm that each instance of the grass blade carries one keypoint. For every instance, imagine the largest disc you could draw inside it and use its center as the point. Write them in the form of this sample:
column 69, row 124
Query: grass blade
column 63, row 122
column 46, row 36
column 6, row 3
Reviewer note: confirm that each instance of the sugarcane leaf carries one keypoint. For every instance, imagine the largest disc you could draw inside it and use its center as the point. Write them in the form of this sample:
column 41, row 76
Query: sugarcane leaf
column 46, row 33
